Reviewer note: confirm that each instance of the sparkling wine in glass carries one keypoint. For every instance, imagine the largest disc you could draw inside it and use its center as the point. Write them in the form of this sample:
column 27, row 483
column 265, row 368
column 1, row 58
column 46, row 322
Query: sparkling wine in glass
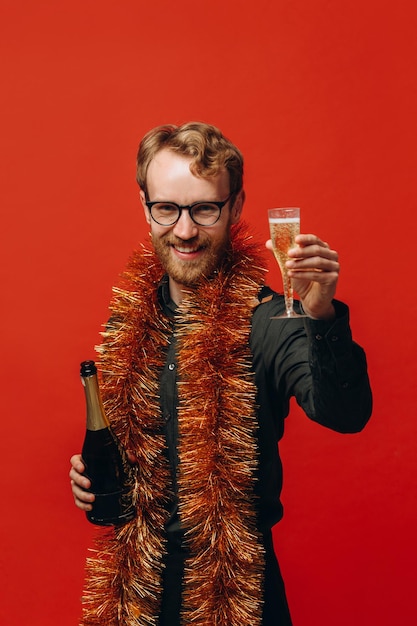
column 284, row 225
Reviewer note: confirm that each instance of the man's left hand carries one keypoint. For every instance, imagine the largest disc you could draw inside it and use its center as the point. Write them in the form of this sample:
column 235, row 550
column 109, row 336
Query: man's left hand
column 314, row 270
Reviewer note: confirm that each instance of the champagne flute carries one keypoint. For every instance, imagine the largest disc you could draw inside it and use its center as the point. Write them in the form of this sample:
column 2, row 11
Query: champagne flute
column 284, row 225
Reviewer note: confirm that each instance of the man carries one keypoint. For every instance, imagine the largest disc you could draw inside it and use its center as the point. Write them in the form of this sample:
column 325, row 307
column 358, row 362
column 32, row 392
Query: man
column 197, row 382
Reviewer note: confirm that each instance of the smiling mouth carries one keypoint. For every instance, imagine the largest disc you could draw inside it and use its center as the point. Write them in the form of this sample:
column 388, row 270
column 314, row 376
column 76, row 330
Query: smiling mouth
column 186, row 249
column 183, row 248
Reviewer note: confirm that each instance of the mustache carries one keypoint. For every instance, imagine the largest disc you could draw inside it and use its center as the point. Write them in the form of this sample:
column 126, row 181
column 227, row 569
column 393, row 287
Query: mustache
column 203, row 242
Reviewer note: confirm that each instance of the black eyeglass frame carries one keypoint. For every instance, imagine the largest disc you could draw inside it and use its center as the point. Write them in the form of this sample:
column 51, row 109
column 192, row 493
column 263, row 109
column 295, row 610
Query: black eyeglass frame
column 189, row 208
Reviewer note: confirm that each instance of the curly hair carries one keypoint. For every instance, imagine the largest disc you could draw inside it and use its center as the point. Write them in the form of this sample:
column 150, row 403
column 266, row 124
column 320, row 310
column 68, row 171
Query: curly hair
column 210, row 151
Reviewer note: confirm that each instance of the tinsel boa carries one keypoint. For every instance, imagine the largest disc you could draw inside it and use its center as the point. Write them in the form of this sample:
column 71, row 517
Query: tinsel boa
column 217, row 447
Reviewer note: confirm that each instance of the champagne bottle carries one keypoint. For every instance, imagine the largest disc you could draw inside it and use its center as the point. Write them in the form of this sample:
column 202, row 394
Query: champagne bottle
column 103, row 459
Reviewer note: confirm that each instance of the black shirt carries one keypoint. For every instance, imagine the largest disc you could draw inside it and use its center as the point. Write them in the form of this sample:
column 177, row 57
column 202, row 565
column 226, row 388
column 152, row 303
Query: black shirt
column 314, row 360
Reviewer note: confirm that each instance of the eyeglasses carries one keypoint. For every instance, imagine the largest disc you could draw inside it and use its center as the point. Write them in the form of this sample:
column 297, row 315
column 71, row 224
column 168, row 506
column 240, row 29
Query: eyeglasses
column 202, row 213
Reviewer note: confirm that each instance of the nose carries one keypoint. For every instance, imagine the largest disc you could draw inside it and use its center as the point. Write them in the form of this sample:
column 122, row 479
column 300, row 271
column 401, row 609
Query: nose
column 185, row 228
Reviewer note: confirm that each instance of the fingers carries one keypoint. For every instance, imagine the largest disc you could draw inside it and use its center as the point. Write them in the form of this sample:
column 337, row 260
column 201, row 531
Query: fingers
column 313, row 255
column 309, row 239
column 308, row 246
column 83, row 499
column 77, row 463
column 311, row 245
column 315, row 264
column 311, row 259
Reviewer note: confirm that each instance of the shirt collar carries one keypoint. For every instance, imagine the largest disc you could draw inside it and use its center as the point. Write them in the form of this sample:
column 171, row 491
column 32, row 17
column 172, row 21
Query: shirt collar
column 168, row 305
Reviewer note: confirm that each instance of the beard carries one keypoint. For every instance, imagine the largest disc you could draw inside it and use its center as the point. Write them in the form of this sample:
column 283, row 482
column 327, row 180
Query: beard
column 189, row 273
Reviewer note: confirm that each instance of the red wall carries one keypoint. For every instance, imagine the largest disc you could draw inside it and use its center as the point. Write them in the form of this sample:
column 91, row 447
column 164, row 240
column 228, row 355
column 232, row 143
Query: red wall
column 321, row 98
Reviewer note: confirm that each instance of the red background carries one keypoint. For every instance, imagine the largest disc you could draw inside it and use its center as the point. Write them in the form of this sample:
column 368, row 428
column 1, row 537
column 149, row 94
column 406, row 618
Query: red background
column 321, row 98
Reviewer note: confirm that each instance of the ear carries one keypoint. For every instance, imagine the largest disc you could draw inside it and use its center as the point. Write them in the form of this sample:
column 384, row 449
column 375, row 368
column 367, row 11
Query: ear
column 145, row 208
column 237, row 207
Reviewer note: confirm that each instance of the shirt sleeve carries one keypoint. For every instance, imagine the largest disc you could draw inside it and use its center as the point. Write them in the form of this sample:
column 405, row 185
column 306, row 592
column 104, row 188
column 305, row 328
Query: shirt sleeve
column 319, row 364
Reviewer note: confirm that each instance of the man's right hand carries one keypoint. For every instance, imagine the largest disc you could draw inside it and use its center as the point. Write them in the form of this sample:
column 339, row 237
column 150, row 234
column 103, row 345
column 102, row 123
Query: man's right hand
column 79, row 483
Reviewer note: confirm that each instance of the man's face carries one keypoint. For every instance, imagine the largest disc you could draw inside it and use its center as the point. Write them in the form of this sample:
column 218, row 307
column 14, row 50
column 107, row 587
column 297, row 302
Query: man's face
column 186, row 250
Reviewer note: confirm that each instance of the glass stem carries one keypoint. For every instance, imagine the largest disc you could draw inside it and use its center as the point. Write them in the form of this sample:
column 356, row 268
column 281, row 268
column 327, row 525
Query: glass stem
column 288, row 294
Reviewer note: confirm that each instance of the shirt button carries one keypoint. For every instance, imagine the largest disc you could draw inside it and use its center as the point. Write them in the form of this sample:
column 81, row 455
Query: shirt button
column 335, row 338
column 319, row 337
column 171, row 366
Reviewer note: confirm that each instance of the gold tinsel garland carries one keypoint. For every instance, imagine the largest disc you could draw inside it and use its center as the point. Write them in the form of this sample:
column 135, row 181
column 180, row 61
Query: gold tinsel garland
column 217, row 447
